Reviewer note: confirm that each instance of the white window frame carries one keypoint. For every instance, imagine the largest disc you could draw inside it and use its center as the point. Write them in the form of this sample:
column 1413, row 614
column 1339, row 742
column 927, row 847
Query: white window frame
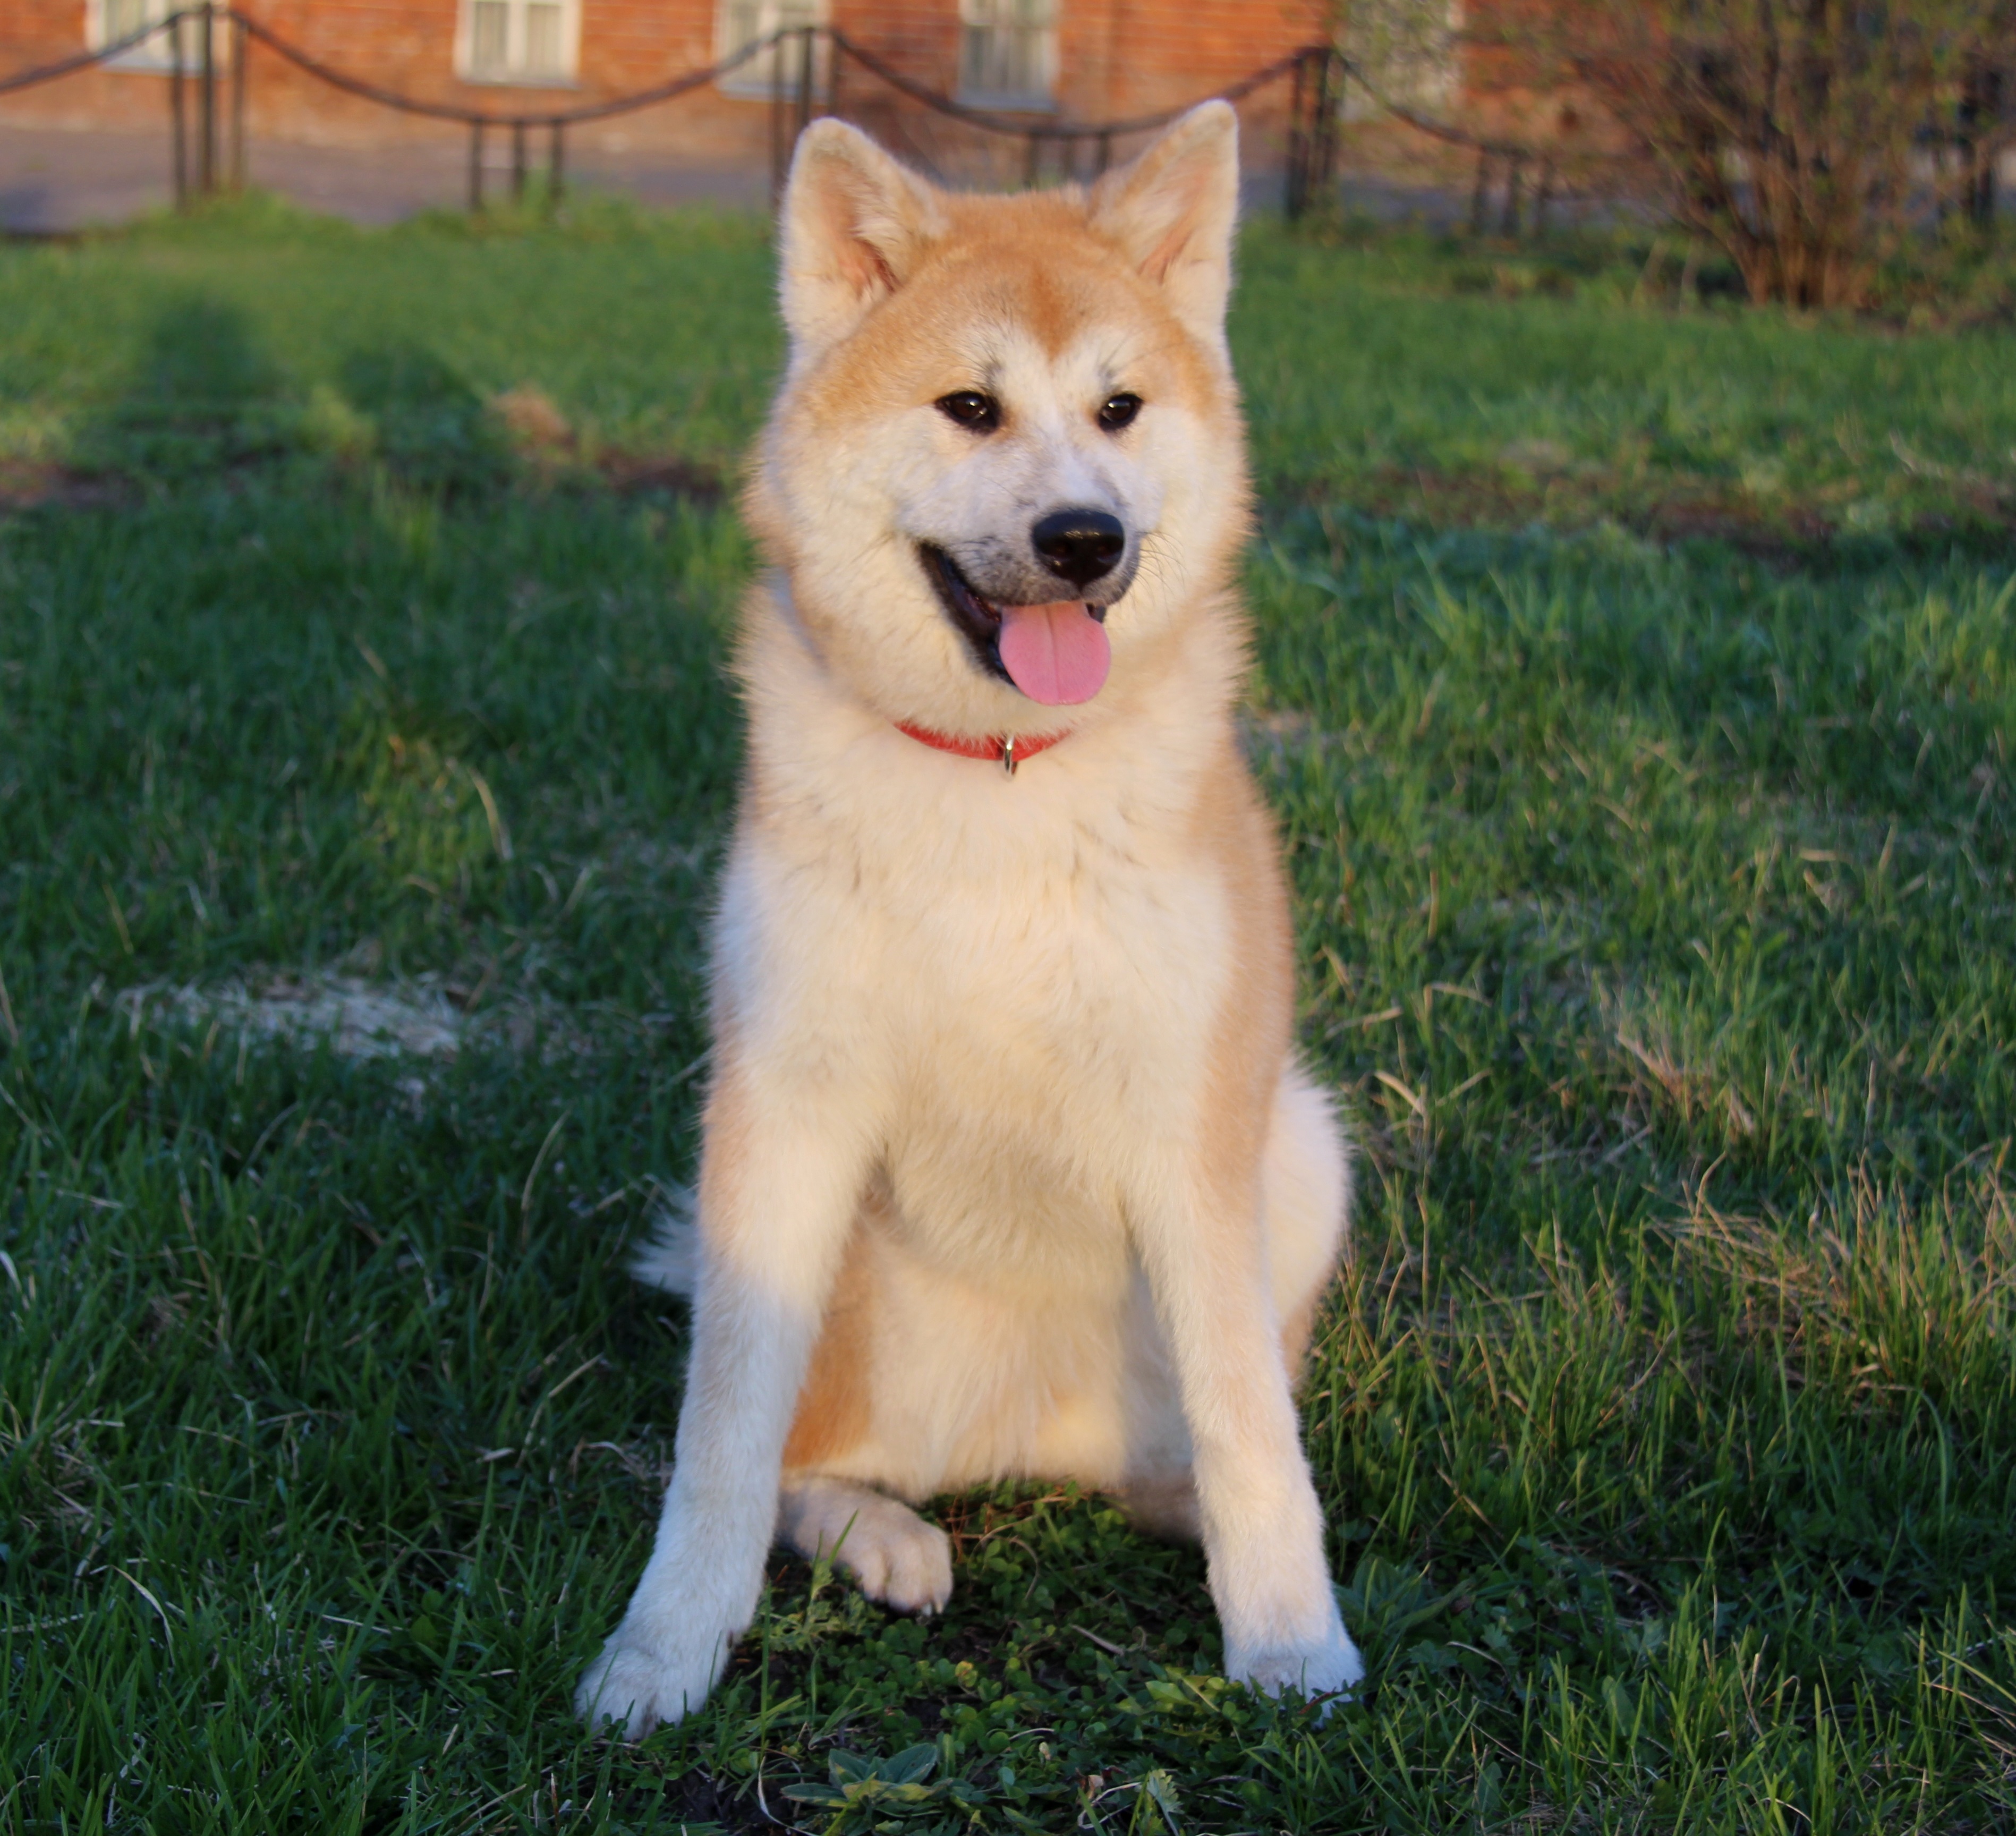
column 984, row 16
column 514, row 74
column 153, row 56
column 737, row 22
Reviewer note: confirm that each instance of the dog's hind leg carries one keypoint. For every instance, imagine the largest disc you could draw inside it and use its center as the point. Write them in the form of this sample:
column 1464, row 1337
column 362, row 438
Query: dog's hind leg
column 1305, row 1201
column 894, row 1556
column 892, row 1552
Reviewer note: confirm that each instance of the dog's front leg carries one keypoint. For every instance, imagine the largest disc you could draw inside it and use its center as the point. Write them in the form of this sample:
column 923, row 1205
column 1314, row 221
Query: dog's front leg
column 780, row 1177
column 1263, row 1531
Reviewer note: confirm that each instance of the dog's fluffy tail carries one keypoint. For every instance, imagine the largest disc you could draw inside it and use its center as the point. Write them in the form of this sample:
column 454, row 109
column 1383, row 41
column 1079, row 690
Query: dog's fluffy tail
column 669, row 1257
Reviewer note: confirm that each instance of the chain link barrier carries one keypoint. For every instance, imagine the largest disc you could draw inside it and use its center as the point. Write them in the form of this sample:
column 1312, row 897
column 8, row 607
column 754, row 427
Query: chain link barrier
column 212, row 158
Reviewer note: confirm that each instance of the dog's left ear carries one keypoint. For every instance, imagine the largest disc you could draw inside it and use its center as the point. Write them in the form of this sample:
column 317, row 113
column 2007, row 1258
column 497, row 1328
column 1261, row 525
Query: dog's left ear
column 1172, row 211
column 853, row 225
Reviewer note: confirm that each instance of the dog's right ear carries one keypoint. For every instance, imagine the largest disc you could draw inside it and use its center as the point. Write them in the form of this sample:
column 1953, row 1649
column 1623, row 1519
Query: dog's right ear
column 853, row 225
column 1172, row 210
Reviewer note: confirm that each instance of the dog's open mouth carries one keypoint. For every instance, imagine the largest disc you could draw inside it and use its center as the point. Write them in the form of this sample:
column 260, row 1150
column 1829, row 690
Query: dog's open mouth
column 1056, row 654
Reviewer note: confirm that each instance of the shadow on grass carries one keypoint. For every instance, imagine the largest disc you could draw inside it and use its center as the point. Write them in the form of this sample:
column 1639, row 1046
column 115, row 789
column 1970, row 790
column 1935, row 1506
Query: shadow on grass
column 431, row 430
column 205, row 399
column 202, row 397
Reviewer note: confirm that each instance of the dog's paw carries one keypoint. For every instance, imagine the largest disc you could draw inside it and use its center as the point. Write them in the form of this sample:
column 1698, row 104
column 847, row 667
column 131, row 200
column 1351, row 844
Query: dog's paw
column 1330, row 1667
column 892, row 1553
column 633, row 1686
column 901, row 1560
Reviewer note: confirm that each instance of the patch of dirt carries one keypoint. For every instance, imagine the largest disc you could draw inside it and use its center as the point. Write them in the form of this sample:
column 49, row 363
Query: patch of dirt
column 426, row 1018
column 546, row 447
column 1535, row 487
column 359, row 1019
column 633, row 473
column 27, row 484
column 542, row 436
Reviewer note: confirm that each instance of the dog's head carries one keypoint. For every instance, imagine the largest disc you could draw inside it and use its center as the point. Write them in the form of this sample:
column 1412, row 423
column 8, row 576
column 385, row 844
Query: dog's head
column 1006, row 460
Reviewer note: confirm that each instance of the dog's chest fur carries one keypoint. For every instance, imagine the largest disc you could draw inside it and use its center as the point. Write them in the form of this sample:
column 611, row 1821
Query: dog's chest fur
column 1018, row 981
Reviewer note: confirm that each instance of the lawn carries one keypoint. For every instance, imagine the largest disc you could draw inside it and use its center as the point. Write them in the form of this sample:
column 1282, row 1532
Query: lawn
column 1634, row 688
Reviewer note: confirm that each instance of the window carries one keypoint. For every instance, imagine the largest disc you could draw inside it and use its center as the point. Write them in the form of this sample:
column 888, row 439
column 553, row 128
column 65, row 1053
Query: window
column 1007, row 53
column 527, row 42
column 743, row 22
column 108, row 21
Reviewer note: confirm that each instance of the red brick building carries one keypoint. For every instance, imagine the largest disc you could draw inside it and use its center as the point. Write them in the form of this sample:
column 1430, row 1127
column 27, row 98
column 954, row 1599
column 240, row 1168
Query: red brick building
column 1066, row 60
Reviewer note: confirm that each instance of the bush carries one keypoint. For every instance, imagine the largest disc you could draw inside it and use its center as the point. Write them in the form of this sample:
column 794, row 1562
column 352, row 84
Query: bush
column 1804, row 137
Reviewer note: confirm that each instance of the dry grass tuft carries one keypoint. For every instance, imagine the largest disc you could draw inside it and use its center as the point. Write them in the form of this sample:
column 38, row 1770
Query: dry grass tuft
column 533, row 419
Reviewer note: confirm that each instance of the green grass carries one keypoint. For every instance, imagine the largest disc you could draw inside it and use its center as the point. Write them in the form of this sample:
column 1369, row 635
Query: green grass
column 1656, row 901
column 258, row 331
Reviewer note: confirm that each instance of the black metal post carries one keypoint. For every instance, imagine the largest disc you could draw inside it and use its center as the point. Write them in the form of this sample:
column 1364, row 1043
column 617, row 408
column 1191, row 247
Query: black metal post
column 1508, row 225
column 1981, row 106
column 1296, row 199
column 808, row 44
column 206, row 106
column 1543, row 197
column 177, row 109
column 1480, row 194
column 780, row 150
column 1105, row 154
column 1322, row 138
column 240, row 44
column 556, row 166
column 1996, row 86
column 517, row 162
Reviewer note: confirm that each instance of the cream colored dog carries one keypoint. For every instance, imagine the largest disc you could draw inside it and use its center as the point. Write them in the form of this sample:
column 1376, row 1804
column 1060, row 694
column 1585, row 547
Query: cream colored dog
column 1009, row 1168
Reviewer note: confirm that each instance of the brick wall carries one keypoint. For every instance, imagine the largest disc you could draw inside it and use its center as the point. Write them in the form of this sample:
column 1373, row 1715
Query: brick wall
column 1116, row 58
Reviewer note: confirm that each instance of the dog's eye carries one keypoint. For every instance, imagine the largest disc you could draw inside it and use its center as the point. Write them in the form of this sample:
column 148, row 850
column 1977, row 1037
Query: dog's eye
column 971, row 408
column 1118, row 412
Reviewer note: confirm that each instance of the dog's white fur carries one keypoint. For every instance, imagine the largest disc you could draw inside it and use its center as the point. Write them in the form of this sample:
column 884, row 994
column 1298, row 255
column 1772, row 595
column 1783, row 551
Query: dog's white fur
column 1009, row 1167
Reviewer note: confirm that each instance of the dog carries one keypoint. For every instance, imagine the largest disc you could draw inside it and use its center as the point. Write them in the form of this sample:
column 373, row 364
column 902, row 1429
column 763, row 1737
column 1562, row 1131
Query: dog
column 1009, row 1167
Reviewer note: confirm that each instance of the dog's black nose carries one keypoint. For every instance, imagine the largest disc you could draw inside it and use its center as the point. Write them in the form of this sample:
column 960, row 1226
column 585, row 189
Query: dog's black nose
column 1079, row 545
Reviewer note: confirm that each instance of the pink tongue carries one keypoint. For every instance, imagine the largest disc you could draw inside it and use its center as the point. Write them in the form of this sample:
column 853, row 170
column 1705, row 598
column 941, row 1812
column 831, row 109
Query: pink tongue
column 1055, row 654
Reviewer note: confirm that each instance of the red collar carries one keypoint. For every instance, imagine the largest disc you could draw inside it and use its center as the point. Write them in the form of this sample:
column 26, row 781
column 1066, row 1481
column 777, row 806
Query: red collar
column 1005, row 748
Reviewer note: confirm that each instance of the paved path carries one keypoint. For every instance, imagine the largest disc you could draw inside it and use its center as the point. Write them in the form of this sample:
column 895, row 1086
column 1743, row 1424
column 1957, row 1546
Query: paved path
column 52, row 181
